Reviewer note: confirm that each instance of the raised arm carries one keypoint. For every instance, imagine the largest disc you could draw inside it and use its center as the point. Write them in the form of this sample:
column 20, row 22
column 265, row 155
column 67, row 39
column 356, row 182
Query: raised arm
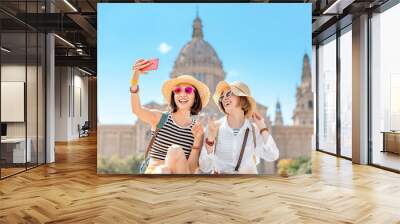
column 266, row 147
column 144, row 114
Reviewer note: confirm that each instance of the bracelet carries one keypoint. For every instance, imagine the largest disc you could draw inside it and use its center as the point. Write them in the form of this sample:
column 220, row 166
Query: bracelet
column 134, row 82
column 195, row 148
column 209, row 143
column 134, row 92
column 263, row 129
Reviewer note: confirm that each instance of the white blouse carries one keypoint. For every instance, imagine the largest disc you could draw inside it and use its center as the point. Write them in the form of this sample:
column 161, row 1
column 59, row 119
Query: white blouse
column 226, row 156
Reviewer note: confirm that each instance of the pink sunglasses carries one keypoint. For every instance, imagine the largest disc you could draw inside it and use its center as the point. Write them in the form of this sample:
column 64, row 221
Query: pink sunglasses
column 188, row 90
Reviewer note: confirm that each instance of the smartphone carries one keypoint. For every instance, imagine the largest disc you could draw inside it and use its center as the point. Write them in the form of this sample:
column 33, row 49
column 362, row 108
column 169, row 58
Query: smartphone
column 152, row 66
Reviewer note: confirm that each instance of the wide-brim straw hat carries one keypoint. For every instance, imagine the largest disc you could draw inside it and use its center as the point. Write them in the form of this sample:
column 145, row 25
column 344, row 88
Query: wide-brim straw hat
column 237, row 88
column 202, row 89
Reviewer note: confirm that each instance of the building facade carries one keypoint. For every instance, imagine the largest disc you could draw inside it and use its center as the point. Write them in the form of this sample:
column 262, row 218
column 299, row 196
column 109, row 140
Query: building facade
column 296, row 140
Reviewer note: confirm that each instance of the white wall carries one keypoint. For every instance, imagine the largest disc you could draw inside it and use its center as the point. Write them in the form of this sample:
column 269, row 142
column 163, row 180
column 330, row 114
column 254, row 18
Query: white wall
column 12, row 101
column 33, row 126
column 71, row 93
column 13, row 73
column 61, row 103
column 81, row 89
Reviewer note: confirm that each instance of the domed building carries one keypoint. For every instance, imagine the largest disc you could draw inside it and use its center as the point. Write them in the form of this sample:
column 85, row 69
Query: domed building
column 199, row 59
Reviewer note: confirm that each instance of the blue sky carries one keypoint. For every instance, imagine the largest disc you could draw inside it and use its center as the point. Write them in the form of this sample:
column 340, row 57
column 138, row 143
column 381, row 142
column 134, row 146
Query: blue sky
column 260, row 44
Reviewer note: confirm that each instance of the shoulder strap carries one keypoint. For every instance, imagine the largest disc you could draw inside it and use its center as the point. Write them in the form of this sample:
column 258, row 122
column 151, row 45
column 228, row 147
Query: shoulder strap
column 242, row 150
column 216, row 140
column 160, row 124
column 253, row 130
column 163, row 119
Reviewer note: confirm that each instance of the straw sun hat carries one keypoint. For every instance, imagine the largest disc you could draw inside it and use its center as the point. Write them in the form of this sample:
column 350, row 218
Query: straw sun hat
column 237, row 88
column 201, row 88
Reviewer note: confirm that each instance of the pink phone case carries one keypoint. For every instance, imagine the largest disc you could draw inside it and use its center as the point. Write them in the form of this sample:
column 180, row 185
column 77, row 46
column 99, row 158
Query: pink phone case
column 153, row 65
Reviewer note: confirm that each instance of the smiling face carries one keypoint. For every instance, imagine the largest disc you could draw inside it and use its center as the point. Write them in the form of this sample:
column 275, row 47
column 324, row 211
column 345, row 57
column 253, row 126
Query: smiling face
column 231, row 103
column 185, row 97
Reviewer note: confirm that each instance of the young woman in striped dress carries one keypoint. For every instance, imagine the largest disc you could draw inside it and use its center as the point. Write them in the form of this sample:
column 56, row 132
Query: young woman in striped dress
column 177, row 145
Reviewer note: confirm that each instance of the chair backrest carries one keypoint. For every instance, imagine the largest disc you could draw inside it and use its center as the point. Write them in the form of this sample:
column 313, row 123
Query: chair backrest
column 86, row 125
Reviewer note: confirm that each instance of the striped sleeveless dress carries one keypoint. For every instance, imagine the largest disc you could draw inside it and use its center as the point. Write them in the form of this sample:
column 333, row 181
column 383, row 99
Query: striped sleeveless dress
column 171, row 134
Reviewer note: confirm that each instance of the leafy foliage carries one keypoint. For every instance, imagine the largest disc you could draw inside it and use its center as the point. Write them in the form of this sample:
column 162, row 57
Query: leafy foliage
column 116, row 165
column 290, row 167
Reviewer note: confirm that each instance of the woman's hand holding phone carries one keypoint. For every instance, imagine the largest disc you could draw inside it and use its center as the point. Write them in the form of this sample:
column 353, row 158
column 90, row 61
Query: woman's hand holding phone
column 152, row 66
column 141, row 66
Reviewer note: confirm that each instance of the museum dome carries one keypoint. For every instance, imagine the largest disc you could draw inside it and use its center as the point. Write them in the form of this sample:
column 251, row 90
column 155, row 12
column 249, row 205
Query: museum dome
column 199, row 59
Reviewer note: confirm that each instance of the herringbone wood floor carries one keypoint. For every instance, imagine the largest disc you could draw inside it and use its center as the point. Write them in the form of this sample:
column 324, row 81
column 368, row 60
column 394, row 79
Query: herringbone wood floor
column 70, row 191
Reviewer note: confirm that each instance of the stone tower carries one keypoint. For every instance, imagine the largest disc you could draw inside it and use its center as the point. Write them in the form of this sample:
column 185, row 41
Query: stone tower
column 278, row 115
column 303, row 114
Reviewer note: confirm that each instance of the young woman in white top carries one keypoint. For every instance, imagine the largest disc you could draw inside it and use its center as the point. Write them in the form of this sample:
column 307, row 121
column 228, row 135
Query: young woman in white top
column 225, row 137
